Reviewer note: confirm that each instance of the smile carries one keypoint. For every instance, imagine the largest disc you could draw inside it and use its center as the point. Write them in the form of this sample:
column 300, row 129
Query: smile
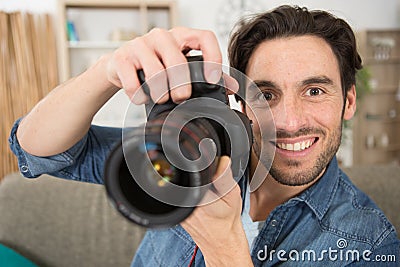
column 298, row 146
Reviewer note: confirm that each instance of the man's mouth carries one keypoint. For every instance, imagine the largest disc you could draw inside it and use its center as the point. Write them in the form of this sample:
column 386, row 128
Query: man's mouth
column 297, row 146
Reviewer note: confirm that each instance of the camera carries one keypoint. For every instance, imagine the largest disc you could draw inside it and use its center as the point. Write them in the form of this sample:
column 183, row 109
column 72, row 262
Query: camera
column 161, row 170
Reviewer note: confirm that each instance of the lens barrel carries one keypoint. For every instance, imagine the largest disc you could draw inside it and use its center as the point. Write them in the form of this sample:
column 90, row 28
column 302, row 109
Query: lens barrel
column 136, row 185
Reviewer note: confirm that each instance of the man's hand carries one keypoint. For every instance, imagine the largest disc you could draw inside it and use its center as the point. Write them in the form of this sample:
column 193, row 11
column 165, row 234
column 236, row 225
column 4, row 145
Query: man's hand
column 216, row 226
column 159, row 50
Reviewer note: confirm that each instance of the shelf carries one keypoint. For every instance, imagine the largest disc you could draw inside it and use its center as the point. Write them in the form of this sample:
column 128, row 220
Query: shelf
column 381, row 119
column 98, row 22
column 94, row 44
column 389, row 148
column 102, row 3
column 373, row 61
column 379, row 113
column 392, row 90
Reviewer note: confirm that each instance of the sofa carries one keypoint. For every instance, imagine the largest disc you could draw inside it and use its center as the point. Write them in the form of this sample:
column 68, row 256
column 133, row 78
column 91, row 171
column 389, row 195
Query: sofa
column 56, row 223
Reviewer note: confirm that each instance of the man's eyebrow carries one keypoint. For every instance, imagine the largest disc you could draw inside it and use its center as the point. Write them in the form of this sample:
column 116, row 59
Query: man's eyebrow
column 264, row 83
column 317, row 80
column 311, row 80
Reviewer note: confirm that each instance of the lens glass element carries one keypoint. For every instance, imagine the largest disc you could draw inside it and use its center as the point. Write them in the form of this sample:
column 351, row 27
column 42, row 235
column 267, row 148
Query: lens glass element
column 166, row 172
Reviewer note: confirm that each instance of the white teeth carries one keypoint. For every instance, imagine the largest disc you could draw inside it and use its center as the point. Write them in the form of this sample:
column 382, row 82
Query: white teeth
column 296, row 146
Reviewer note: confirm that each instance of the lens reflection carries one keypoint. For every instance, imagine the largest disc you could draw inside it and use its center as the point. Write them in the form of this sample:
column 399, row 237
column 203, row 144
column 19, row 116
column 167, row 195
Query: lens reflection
column 165, row 172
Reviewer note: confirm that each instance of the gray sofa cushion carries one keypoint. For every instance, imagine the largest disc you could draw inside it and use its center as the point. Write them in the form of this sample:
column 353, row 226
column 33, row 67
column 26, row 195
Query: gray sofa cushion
column 56, row 222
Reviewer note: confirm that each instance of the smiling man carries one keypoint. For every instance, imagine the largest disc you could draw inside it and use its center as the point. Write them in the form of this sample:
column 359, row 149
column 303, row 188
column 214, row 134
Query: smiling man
column 300, row 209
column 307, row 104
column 304, row 63
column 306, row 99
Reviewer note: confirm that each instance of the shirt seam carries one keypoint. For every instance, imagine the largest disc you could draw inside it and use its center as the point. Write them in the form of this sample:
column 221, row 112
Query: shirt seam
column 309, row 199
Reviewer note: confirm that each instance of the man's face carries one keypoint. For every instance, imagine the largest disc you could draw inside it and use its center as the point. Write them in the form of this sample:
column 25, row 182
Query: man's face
column 300, row 79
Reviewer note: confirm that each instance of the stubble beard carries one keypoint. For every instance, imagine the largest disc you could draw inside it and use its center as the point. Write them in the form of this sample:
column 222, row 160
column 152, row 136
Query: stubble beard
column 301, row 176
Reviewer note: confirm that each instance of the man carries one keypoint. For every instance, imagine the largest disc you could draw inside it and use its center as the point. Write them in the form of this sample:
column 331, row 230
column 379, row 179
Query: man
column 306, row 212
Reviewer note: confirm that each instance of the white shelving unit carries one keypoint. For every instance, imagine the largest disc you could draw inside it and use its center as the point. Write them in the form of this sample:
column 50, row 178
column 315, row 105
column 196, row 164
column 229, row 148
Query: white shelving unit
column 376, row 135
column 98, row 24
column 101, row 27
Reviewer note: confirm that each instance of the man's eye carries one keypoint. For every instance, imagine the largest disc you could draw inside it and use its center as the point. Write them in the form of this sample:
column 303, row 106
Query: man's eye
column 268, row 96
column 314, row 91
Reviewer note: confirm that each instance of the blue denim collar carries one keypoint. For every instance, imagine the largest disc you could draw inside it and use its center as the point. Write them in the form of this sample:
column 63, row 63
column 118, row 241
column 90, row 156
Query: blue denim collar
column 320, row 195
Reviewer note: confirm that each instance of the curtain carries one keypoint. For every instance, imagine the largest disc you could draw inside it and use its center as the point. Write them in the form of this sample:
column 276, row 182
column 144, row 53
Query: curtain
column 28, row 71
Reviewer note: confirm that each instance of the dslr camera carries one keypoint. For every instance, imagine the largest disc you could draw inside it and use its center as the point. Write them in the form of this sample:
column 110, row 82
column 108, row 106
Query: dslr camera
column 160, row 171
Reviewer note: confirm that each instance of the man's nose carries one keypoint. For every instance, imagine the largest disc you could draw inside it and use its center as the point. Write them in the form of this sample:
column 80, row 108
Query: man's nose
column 289, row 114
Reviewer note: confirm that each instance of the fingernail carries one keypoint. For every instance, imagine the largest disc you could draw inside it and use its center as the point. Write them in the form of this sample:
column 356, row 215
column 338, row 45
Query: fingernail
column 137, row 97
column 214, row 76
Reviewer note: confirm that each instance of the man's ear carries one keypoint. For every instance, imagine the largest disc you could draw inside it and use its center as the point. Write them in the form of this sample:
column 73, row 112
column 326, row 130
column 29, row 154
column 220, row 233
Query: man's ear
column 350, row 105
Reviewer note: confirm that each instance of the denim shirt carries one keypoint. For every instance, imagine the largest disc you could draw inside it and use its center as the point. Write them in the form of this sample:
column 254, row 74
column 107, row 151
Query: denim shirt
column 332, row 223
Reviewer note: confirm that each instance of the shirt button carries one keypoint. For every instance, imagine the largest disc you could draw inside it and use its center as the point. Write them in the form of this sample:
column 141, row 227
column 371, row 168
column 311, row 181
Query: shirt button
column 274, row 223
column 24, row 168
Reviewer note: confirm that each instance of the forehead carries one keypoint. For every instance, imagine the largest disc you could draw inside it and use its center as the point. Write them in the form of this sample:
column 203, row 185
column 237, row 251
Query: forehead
column 293, row 57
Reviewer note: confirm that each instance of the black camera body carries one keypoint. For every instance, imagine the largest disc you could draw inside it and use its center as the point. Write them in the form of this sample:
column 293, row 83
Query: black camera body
column 159, row 173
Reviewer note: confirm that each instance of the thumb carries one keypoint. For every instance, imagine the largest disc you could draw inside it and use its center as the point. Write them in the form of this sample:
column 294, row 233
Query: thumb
column 222, row 181
column 223, row 169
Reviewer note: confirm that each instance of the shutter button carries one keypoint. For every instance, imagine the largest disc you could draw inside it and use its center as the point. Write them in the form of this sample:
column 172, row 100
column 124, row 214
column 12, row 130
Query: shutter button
column 24, row 168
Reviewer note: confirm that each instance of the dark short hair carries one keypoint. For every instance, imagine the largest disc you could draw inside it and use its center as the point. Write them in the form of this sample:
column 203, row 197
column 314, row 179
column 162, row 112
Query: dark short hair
column 288, row 21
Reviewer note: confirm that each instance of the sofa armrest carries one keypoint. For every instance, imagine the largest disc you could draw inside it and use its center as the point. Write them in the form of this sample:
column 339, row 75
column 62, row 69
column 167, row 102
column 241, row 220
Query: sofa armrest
column 56, row 222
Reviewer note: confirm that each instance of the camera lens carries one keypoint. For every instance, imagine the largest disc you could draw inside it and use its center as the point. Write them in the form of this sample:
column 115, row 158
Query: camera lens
column 167, row 173
column 161, row 170
column 136, row 198
column 143, row 180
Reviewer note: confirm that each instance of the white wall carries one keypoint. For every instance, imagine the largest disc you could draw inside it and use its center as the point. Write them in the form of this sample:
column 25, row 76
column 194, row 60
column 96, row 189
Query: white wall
column 204, row 13
column 208, row 14
column 35, row 6
column 360, row 14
